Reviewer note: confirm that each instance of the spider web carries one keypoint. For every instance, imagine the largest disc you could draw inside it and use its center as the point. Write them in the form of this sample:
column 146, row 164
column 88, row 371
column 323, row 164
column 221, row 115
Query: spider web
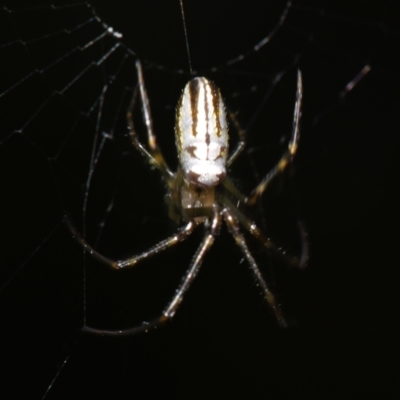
column 67, row 79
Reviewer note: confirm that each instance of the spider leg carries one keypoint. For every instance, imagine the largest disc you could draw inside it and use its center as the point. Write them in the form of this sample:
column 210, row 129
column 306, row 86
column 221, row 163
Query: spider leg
column 250, row 226
column 233, row 227
column 231, row 188
column 191, row 273
column 242, row 139
column 305, row 246
column 154, row 155
column 181, row 235
column 187, row 280
column 288, row 155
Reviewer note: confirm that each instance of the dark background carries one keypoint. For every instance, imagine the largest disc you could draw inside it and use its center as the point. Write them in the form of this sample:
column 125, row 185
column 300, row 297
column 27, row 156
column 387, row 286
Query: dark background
column 224, row 341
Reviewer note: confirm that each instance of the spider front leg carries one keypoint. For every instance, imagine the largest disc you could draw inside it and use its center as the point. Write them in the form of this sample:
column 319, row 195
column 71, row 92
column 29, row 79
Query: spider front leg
column 242, row 139
column 288, row 155
column 180, row 236
column 154, row 154
column 252, row 228
column 191, row 273
column 187, row 280
column 233, row 227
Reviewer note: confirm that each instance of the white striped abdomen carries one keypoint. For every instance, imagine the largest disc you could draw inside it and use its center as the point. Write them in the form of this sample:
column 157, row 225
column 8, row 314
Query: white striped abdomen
column 202, row 133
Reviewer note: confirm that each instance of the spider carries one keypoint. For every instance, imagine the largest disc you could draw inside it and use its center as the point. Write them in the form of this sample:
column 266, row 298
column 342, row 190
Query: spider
column 200, row 192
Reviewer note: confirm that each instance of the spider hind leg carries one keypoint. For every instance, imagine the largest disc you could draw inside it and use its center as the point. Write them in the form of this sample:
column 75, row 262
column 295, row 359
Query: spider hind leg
column 290, row 152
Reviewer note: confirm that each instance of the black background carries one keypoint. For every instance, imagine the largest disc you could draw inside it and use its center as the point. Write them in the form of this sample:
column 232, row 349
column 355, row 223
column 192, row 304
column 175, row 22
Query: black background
column 343, row 309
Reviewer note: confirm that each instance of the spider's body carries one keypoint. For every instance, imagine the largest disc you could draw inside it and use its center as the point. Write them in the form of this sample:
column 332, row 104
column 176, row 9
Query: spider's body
column 200, row 192
column 202, row 134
